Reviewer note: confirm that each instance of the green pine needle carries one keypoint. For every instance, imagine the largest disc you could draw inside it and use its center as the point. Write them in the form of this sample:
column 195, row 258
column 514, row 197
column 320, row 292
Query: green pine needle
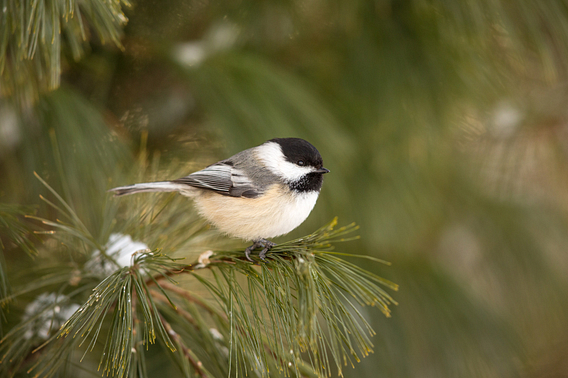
column 34, row 34
column 299, row 301
column 126, row 298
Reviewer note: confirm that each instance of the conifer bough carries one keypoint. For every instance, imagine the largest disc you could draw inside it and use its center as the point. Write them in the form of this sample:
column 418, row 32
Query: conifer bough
column 299, row 314
column 32, row 35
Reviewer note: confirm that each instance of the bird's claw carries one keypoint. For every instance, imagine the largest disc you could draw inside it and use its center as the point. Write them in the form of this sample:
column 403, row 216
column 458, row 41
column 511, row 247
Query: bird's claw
column 248, row 251
column 267, row 246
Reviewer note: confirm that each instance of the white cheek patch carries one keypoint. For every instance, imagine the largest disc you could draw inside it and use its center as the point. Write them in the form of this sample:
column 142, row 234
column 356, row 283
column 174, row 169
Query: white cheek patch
column 273, row 158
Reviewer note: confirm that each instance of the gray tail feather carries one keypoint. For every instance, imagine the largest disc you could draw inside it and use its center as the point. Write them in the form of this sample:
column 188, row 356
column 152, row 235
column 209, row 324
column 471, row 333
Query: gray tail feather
column 162, row 186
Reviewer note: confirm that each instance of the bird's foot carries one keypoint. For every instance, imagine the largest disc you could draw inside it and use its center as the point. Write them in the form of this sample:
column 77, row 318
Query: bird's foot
column 266, row 246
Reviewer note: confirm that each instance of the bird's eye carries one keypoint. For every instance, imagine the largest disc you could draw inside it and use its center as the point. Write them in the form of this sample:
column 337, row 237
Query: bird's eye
column 301, row 163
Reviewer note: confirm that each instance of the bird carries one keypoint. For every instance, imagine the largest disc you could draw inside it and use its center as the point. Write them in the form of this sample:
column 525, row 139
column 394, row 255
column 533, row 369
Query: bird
column 255, row 195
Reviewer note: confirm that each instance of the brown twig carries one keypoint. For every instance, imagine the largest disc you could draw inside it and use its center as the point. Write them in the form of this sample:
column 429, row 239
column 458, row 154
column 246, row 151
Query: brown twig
column 161, row 297
column 135, row 319
column 187, row 295
column 168, row 273
column 190, row 319
column 190, row 268
column 197, row 365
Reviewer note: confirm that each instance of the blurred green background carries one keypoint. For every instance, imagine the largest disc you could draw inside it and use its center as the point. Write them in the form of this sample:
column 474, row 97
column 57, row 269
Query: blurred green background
column 443, row 122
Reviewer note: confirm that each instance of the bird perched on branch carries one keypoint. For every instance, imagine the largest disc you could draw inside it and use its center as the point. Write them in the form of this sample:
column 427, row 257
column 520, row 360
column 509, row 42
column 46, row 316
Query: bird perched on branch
column 259, row 193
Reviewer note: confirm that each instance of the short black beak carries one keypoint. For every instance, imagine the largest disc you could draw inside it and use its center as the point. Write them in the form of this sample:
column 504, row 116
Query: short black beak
column 322, row 170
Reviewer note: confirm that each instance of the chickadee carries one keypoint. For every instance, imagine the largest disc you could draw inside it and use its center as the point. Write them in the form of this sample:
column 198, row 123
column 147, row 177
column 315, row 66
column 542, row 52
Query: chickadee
column 263, row 192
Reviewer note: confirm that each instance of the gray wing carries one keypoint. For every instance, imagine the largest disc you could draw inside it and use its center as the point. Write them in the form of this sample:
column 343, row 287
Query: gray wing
column 222, row 178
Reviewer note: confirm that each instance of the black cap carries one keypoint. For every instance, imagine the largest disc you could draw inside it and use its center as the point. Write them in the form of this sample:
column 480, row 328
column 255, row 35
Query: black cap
column 301, row 152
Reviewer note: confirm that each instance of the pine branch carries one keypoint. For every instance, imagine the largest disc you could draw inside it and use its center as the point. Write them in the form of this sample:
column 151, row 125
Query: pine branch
column 34, row 33
column 283, row 300
column 314, row 251
column 17, row 233
column 187, row 353
column 113, row 296
column 298, row 312
column 14, row 228
column 271, row 323
column 190, row 297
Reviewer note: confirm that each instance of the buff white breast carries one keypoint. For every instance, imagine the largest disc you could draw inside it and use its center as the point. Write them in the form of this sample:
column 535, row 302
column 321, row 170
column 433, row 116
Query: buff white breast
column 279, row 211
